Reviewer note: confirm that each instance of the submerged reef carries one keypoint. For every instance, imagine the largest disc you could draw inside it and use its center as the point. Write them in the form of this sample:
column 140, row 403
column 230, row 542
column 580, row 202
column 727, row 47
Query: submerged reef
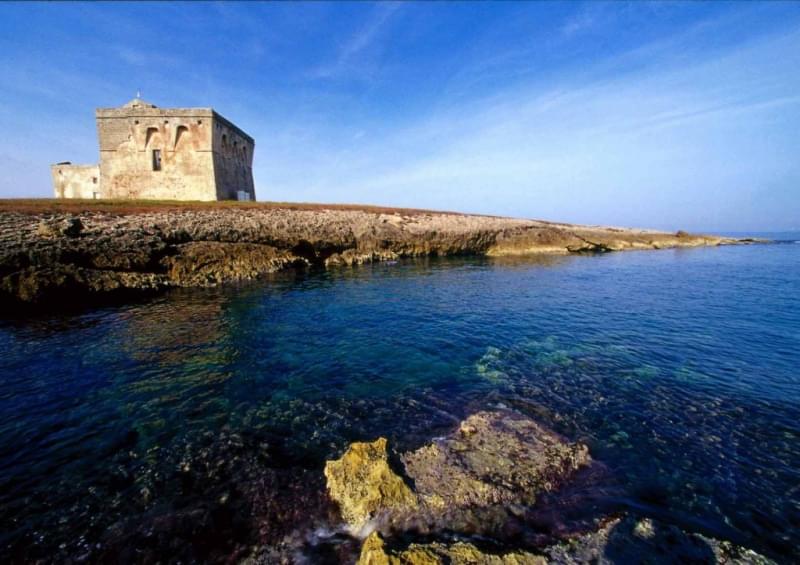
column 49, row 254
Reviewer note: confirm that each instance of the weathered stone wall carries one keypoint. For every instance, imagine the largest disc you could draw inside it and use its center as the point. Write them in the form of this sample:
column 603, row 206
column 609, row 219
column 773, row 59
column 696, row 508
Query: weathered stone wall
column 76, row 181
column 128, row 139
column 165, row 154
column 233, row 161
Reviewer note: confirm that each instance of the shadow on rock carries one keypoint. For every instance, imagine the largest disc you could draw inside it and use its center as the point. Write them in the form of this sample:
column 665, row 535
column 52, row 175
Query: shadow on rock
column 646, row 541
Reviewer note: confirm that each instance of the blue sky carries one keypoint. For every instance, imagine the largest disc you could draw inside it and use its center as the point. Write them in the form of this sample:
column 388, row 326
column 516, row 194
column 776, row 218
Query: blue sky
column 662, row 115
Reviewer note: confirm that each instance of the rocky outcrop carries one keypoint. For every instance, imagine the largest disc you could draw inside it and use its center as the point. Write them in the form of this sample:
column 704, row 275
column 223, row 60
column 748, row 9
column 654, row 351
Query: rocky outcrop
column 630, row 539
column 48, row 255
column 374, row 552
column 497, row 457
column 621, row 540
column 492, row 461
column 496, row 464
column 364, row 485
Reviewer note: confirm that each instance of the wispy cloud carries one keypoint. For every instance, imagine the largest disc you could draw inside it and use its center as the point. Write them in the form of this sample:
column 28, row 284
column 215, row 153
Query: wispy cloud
column 557, row 111
column 140, row 58
column 586, row 18
column 352, row 49
column 674, row 133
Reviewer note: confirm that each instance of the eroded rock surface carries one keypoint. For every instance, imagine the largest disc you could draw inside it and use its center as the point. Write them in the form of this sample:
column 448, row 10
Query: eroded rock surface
column 621, row 540
column 643, row 540
column 466, row 484
column 375, row 552
column 49, row 255
column 364, row 485
column 494, row 459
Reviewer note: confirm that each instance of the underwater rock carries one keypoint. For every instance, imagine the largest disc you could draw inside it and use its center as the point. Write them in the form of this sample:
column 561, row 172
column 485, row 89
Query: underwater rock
column 374, row 552
column 643, row 540
column 495, row 463
column 364, row 485
column 621, row 540
column 498, row 457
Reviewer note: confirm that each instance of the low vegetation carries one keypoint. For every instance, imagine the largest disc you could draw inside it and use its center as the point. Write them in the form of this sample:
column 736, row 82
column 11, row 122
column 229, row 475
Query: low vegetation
column 123, row 207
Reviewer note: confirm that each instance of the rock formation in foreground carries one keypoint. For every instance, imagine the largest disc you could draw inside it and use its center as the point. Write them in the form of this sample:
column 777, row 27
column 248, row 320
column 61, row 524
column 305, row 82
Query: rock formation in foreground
column 46, row 255
column 457, row 493
column 493, row 461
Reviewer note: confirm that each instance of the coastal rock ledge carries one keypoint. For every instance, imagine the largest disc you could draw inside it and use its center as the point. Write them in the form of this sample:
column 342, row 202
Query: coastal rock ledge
column 75, row 250
column 451, row 500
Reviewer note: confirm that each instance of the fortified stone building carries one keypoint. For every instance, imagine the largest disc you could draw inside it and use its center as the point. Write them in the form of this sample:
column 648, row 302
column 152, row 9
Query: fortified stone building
column 162, row 153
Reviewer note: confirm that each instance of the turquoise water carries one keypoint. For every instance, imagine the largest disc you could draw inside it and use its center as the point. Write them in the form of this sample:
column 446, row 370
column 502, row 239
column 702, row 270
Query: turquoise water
column 207, row 414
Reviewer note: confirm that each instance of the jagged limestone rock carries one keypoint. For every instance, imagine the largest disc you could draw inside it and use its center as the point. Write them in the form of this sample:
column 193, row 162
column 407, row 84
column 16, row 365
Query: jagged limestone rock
column 374, row 552
column 364, row 485
column 235, row 243
column 208, row 263
column 494, row 459
column 498, row 457
column 54, row 228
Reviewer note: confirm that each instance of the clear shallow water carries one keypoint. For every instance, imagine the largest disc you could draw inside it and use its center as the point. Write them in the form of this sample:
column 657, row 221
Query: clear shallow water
column 679, row 368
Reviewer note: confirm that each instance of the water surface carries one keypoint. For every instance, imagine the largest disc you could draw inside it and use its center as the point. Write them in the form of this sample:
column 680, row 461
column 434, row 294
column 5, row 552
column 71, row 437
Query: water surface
column 679, row 368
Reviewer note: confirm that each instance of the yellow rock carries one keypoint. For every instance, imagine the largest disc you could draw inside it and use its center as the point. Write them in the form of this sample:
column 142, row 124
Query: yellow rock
column 363, row 484
column 374, row 552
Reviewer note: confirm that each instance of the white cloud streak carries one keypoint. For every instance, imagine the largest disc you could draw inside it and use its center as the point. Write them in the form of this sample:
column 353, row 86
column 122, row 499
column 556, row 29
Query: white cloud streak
column 351, row 51
column 635, row 149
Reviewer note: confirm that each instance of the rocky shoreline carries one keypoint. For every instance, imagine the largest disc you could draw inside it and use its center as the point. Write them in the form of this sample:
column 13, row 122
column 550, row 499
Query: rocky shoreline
column 50, row 255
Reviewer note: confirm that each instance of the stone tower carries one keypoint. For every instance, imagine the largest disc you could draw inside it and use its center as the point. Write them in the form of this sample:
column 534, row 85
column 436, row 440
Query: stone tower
column 148, row 152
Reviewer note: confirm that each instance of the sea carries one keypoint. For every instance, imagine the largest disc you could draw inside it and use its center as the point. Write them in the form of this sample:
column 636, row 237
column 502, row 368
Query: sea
column 197, row 422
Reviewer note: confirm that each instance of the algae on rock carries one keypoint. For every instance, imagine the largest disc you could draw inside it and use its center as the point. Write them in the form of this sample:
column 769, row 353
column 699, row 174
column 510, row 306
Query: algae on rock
column 498, row 457
column 492, row 460
column 364, row 485
column 374, row 552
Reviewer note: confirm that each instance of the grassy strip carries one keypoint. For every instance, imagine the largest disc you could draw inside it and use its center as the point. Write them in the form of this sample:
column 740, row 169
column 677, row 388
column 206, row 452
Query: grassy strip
column 124, row 207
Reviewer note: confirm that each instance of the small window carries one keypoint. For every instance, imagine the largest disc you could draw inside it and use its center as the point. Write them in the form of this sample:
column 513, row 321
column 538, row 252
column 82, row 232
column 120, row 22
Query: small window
column 156, row 159
column 94, row 180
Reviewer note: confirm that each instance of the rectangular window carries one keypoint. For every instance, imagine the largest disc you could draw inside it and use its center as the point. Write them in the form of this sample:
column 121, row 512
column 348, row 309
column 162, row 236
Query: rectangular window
column 156, row 159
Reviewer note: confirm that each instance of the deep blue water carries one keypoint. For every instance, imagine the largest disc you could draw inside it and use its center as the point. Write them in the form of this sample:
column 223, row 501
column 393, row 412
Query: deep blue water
column 679, row 368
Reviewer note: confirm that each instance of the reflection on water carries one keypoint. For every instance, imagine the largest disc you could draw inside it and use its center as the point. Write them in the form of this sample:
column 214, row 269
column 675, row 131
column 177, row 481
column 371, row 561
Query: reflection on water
column 214, row 410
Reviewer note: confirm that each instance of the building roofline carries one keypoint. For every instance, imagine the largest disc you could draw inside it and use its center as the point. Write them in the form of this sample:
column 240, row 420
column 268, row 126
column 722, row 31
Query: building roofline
column 67, row 164
column 145, row 112
column 148, row 112
column 233, row 126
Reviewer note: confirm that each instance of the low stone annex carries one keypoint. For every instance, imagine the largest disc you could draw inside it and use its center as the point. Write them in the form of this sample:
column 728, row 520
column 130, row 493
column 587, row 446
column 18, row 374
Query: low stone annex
column 155, row 153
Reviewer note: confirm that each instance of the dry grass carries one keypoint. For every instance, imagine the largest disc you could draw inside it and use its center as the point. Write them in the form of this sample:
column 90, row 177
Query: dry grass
column 124, row 207
column 45, row 205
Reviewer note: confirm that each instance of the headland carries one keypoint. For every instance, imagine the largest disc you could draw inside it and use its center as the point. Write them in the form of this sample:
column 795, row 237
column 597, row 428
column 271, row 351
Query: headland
column 51, row 249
